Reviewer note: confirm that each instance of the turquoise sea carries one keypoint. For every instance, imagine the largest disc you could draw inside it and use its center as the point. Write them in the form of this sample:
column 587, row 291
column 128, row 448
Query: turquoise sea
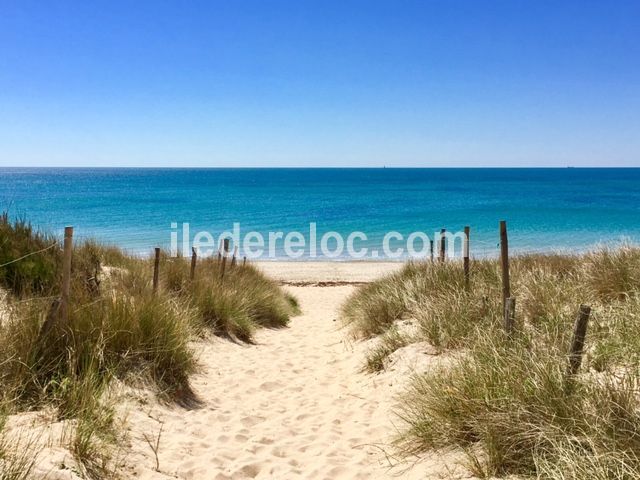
column 569, row 209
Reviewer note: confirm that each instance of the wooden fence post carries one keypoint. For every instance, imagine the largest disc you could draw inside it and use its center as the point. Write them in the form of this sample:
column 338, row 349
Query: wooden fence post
column 223, row 266
column 443, row 245
column 225, row 250
column 577, row 342
column 233, row 259
column 156, row 270
column 53, row 316
column 220, row 250
column 194, row 259
column 466, row 256
column 510, row 316
column 431, row 249
column 66, row 273
column 244, row 261
column 504, row 262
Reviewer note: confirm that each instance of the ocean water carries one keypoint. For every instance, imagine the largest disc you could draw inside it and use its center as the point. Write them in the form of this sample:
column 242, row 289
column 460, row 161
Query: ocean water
column 546, row 209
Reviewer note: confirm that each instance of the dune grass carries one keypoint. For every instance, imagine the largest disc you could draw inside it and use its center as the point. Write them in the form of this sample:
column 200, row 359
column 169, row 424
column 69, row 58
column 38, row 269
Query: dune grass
column 389, row 342
column 516, row 404
column 111, row 335
column 17, row 456
column 118, row 328
column 141, row 338
column 432, row 295
column 509, row 402
column 234, row 304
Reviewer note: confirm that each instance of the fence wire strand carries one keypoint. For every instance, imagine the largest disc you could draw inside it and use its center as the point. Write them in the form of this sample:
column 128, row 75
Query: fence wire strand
column 30, row 254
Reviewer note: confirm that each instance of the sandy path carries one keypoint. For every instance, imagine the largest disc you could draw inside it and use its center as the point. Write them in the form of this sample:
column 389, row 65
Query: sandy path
column 291, row 406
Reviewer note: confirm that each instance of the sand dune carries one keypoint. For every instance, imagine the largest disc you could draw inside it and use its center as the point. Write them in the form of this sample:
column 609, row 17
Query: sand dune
column 291, row 406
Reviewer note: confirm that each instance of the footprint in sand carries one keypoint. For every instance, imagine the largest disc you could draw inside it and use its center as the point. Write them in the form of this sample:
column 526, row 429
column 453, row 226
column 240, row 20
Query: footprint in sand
column 271, row 386
column 251, row 471
column 251, row 421
column 265, row 440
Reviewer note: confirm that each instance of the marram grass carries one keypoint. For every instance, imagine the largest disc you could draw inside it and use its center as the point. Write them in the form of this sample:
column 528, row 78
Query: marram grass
column 118, row 328
column 508, row 402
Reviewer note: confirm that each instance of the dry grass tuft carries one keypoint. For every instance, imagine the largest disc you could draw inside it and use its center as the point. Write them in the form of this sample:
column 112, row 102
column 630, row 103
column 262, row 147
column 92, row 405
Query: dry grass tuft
column 18, row 454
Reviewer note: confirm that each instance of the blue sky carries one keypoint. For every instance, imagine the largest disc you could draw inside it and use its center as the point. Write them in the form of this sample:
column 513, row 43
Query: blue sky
column 320, row 83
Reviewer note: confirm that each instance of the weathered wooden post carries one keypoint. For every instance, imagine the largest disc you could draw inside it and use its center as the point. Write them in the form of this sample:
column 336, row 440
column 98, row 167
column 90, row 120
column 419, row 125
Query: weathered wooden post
column 66, row 273
column 504, row 262
column 194, row 259
column 443, row 245
column 220, row 250
column 156, row 270
column 431, row 249
column 233, row 259
column 466, row 256
column 225, row 251
column 577, row 342
column 223, row 266
column 53, row 316
column 244, row 261
column 510, row 316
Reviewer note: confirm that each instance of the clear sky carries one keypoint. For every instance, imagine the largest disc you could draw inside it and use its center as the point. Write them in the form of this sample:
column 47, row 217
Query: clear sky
column 320, row 83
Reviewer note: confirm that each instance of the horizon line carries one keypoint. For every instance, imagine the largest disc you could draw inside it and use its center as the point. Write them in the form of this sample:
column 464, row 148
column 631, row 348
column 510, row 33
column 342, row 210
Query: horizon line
column 384, row 167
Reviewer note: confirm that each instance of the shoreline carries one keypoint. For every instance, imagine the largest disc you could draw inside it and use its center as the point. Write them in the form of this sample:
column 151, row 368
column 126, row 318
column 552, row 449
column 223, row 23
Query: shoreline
column 326, row 273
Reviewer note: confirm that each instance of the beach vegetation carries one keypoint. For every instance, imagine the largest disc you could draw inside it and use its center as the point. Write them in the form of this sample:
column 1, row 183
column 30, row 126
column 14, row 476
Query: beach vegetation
column 509, row 402
column 29, row 259
column 118, row 328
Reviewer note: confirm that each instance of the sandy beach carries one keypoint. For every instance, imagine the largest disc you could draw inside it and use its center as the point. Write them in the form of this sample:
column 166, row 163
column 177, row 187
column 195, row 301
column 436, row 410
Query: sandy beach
column 326, row 273
column 293, row 405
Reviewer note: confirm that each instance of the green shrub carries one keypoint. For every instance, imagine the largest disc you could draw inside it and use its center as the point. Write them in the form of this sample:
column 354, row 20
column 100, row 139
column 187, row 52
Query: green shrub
column 29, row 260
